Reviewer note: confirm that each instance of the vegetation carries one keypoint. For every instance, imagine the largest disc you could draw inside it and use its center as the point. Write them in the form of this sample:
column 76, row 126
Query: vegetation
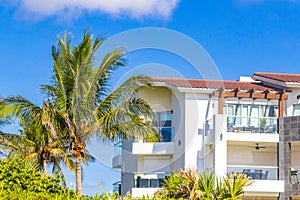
column 38, row 141
column 21, row 179
column 190, row 184
column 79, row 105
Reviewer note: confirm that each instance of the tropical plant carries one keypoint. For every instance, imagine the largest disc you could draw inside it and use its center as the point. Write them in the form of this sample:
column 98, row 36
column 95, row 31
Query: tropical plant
column 80, row 93
column 189, row 184
column 18, row 176
column 233, row 186
column 38, row 141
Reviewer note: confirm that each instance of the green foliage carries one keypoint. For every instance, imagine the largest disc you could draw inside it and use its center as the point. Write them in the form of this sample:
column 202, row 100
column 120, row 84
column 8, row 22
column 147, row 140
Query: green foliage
column 80, row 104
column 262, row 122
column 190, row 184
column 18, row 177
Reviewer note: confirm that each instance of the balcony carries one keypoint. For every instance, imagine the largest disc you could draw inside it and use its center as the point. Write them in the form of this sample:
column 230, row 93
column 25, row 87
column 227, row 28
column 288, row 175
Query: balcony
column 149, row 180
column 265, row 179
column 147, row 183
column 147, row 148
column 255, row 172
column 117, row 162
column 252, row 124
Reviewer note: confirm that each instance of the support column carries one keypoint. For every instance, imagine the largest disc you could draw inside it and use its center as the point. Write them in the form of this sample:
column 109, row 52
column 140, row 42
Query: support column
column 221, row 102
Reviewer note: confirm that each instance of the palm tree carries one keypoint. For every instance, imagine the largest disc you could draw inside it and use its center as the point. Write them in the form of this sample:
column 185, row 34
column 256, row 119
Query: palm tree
column 38, row 141
column 81, row 93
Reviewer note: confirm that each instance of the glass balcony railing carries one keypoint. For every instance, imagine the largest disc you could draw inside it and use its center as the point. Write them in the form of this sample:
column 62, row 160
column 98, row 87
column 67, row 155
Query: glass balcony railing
column 167, row 134
column 149, row 180
column 256, row 172
column 252, row 124
column 118, row 148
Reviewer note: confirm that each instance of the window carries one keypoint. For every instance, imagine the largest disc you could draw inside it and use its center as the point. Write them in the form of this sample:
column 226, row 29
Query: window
column 254, row 118
column 296, row 110
column 164, row 125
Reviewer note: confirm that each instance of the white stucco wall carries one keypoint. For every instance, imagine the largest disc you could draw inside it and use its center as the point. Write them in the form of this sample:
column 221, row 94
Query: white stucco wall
column 196, row 109
column 129, row 166
column 220, row 146
column 291, row 101
column 156, row 164
column 160, row 98
column 245, row 154
column 178, row 119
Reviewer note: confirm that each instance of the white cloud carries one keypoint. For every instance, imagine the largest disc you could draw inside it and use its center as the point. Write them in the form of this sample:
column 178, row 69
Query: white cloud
column 132, row 8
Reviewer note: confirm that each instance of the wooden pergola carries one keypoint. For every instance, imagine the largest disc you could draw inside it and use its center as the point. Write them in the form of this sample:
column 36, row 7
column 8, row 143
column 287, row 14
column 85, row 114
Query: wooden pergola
column 280, row 96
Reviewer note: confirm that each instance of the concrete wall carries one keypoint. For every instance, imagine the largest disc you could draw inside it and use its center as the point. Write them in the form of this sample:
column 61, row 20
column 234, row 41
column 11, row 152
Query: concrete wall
column 155, row 164
column 160, row 98
column 196, row 109
column 178, row 119
column 248, row 155
column 220, row 146
column 291, row 101
column 129, row 166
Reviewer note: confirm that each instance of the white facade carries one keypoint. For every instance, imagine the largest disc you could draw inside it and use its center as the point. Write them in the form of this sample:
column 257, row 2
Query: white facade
column 208, row 141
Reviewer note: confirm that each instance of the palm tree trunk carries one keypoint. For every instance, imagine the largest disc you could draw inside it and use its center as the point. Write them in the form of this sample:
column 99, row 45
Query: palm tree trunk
column 45, row 167
column 78, row 175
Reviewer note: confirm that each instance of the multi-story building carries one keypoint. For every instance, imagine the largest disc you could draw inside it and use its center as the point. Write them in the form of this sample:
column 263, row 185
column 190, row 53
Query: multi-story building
column 220, row 126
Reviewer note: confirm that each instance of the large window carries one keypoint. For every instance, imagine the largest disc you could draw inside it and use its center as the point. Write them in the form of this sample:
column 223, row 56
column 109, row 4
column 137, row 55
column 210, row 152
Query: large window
column 164, row 125
column 254, row 118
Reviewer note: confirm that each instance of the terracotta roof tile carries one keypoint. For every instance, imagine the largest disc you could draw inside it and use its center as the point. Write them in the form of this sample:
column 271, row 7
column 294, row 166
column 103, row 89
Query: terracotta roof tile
column 280, row 77
column 212, row 84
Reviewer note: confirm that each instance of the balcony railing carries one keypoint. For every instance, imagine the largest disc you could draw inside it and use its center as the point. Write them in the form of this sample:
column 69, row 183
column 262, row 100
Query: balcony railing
column 149, row 180
column 255, row 172
column 118, row 148
column 167, row 134
column 252, row 124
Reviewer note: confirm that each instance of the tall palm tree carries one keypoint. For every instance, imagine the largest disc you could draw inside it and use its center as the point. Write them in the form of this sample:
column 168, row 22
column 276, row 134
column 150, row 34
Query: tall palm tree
column 81, row 93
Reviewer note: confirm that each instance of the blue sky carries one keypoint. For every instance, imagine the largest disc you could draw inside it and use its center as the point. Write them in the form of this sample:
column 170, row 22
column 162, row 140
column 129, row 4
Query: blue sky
column 241, row 36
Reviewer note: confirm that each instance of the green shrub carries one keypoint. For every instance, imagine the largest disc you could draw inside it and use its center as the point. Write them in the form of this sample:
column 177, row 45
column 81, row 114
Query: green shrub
column 21, row 180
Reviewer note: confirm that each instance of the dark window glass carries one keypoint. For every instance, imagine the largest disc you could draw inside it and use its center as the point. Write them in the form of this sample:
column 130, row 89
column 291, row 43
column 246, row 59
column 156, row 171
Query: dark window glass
column 164, row 125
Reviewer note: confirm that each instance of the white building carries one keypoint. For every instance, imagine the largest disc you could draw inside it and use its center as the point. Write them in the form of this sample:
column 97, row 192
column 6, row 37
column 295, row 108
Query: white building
column 221, row 126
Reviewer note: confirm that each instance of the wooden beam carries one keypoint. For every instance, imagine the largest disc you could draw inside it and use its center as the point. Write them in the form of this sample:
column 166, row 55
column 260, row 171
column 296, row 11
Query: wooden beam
column 253, row 95
column 281, row 106
column 221, row 102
